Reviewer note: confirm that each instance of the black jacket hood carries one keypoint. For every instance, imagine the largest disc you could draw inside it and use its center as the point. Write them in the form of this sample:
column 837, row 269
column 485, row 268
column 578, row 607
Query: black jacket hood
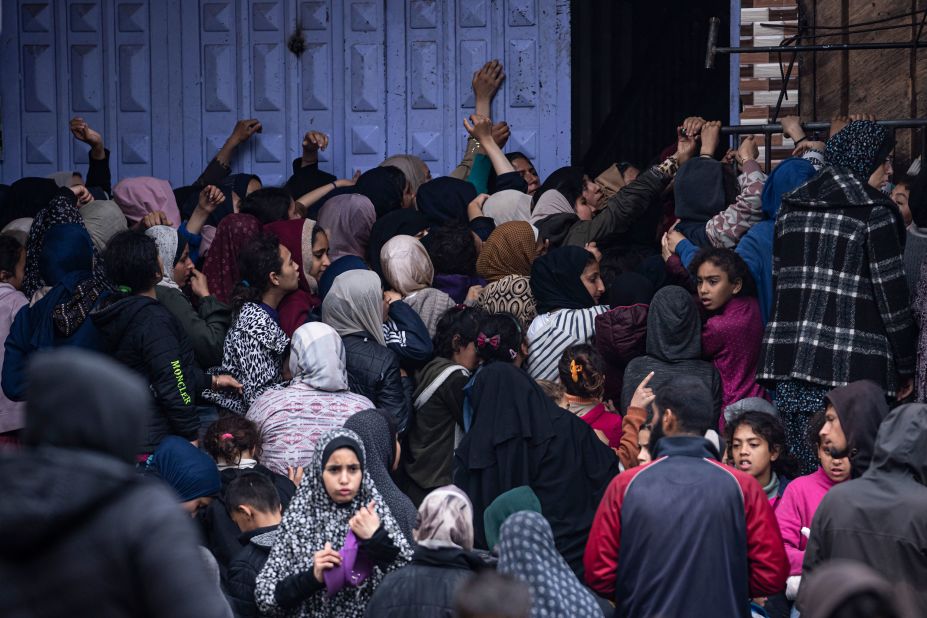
column 861, row 406
column 118, row 313
column 901, row 445
column 674, row 330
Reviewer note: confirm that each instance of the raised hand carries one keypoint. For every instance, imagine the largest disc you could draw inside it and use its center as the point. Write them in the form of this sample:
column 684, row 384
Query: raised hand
column 685, row 145
column 244, row 129
column 152, row 219
column 791, row 127
column 643, row 395
column 82, row 132
column 365, row 522
column 210, row 198
column 692, row 126
column 487, row 79
column 711, row 137
column 501, row 133
column 314, row 141
column 480, row 127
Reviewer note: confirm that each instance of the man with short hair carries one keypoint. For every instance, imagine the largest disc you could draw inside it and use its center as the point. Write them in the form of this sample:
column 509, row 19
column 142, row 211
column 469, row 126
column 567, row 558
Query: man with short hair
column 254, row 504
column 696, row 538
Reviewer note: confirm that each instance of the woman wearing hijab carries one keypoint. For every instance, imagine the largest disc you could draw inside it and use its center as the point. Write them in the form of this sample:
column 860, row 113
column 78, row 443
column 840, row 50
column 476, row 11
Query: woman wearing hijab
column 26, row 197
column 308, row 243
column 337, row 540
column 190, row 472
column 408, row 271
column 442, row 560
column 416, row 173
column 348, row 220
column 378, row 431
column 445, row 200
column 408, row 222
column 255, row 344
column 508, row 205
column 221, row 265
column 509, row 250
column 143, row 195
column 103, row 220
column 316, row 400
column 842, row 308
column 385, row 188
column 527, row 551
column 513, row 501
column 355, row 308
column 205, row 325
column 61, row 317
column 520, row 437
column 566, row 285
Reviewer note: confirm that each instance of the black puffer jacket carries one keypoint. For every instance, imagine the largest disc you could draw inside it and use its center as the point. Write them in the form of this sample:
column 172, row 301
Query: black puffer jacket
column 373, row 371
column 425, row 587
column 143, row 335
column 244, row 568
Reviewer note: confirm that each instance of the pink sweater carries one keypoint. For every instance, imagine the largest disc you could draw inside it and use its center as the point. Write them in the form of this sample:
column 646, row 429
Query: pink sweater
column 795, row 511
column 731, row 339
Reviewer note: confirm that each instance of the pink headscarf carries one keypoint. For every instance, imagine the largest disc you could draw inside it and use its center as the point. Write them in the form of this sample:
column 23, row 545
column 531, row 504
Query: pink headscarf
column 347, row 219
column 143, row 195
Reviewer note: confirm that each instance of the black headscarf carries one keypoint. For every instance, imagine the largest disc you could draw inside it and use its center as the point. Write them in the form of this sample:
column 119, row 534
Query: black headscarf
column 405, row 221
column 189, row 197
column 339, row 443
column 567, row 180
column 555, row 280
column 384, row 187
column 84, row 400
column 861, row 146
column 520, row 437
column 26, row 197
column 445, row 199
column 306, row 179
column 699, row 190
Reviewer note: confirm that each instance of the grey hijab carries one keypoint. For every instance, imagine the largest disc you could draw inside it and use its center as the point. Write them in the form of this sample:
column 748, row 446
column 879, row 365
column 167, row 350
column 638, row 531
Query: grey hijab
column 317, row 357
column 354, row 304
column 412, row 167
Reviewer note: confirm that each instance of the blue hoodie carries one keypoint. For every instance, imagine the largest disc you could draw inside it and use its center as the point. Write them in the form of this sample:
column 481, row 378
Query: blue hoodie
column 756, row 246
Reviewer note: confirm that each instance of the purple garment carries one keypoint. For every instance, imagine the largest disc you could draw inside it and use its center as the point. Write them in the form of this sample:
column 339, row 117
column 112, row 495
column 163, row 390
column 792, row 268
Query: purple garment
column 456, row 286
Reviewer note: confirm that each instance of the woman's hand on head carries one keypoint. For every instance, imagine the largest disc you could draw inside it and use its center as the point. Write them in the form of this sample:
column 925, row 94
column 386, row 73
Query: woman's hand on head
column 323, row 560
column 152, row 219
column 365, row 522
column 473, row 294
column 82, row 194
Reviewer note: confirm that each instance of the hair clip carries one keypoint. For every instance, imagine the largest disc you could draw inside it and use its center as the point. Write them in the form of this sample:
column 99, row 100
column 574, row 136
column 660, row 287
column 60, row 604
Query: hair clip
column 482, row 340
column 245, row 283
column 575, row 370
column 227, row 436
column 513, row 353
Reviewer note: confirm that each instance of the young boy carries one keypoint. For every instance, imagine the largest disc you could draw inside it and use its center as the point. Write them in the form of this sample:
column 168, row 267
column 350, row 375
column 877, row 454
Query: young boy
column 254, row 505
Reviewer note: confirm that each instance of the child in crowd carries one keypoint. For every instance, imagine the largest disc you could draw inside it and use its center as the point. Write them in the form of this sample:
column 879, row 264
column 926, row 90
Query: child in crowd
column 756, row 445
column 554, row 391
column 583, row 377
column 253, row 504
column 801, row 499
column 733, row 330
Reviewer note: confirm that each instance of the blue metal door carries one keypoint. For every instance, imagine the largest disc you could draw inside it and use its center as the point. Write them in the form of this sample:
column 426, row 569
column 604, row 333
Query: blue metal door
column 165, row 81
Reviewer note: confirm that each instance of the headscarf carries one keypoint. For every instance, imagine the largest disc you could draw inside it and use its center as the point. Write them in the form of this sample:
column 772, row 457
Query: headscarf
column 445, row 519
column 355, row 305
column 143, row 195
column 509, row 250
column 379, row 186
column 170, row 249
column 699, row 190
column 313, row 519
column 406, row 221
column 412, row 167
column 347, row 219
column 550, row 203
column 306, row 179
column 555, row 280
column 527, row 551
column 788, row 176
column 508, row 205
column 317, row 357
column 379, row 443
column 18, row 229
column 510, row 294
column 445, row 200
column 861, row 146
column 26, row 197
column 103, row 220
column 513, row 501
column 337, row 267
column 64, row 178
column 296, row 235
column 406, row 265
column 221, row 265
column 58, row 211
column 188, row 470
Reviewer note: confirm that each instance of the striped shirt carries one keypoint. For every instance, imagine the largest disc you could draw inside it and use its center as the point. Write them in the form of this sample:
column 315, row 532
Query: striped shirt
column 552, row 333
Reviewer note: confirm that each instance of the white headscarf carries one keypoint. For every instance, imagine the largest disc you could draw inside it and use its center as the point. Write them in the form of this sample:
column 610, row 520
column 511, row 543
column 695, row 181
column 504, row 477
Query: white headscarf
column 166, row 238
column 550, row 203
column 508, row 205
column 354, row 304
column 317, row 357
column 406, row 264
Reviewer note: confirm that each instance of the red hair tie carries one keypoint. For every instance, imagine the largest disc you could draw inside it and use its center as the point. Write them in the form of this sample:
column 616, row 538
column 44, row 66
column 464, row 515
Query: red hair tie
column 482, row 340
column 227, row 436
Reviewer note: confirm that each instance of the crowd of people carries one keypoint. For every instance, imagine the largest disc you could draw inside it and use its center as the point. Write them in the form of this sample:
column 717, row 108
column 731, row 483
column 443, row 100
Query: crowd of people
column 684, row 388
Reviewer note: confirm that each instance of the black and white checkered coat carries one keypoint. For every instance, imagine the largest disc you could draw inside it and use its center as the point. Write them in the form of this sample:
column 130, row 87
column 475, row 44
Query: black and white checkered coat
column 841, row 309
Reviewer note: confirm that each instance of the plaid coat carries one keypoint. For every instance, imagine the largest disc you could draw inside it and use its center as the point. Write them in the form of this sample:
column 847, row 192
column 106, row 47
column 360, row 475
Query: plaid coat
column 841, row 309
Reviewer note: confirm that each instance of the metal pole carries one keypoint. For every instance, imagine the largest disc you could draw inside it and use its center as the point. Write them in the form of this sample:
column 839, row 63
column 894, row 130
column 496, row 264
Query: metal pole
column 712, row 50
column 748, row 129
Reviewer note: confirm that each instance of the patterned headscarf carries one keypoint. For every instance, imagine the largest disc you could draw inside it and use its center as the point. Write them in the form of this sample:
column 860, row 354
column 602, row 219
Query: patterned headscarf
column 527, row 551
column 406, row 264
column 221, row 266
column 313, row 519
column 144, row 195
column 510, row 294
column 509, row 250
column 861, row 146
column 317, row 357
column 445, row 519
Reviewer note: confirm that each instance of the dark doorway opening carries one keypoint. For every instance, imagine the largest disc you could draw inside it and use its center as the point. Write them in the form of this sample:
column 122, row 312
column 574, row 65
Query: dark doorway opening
column 638, row 70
